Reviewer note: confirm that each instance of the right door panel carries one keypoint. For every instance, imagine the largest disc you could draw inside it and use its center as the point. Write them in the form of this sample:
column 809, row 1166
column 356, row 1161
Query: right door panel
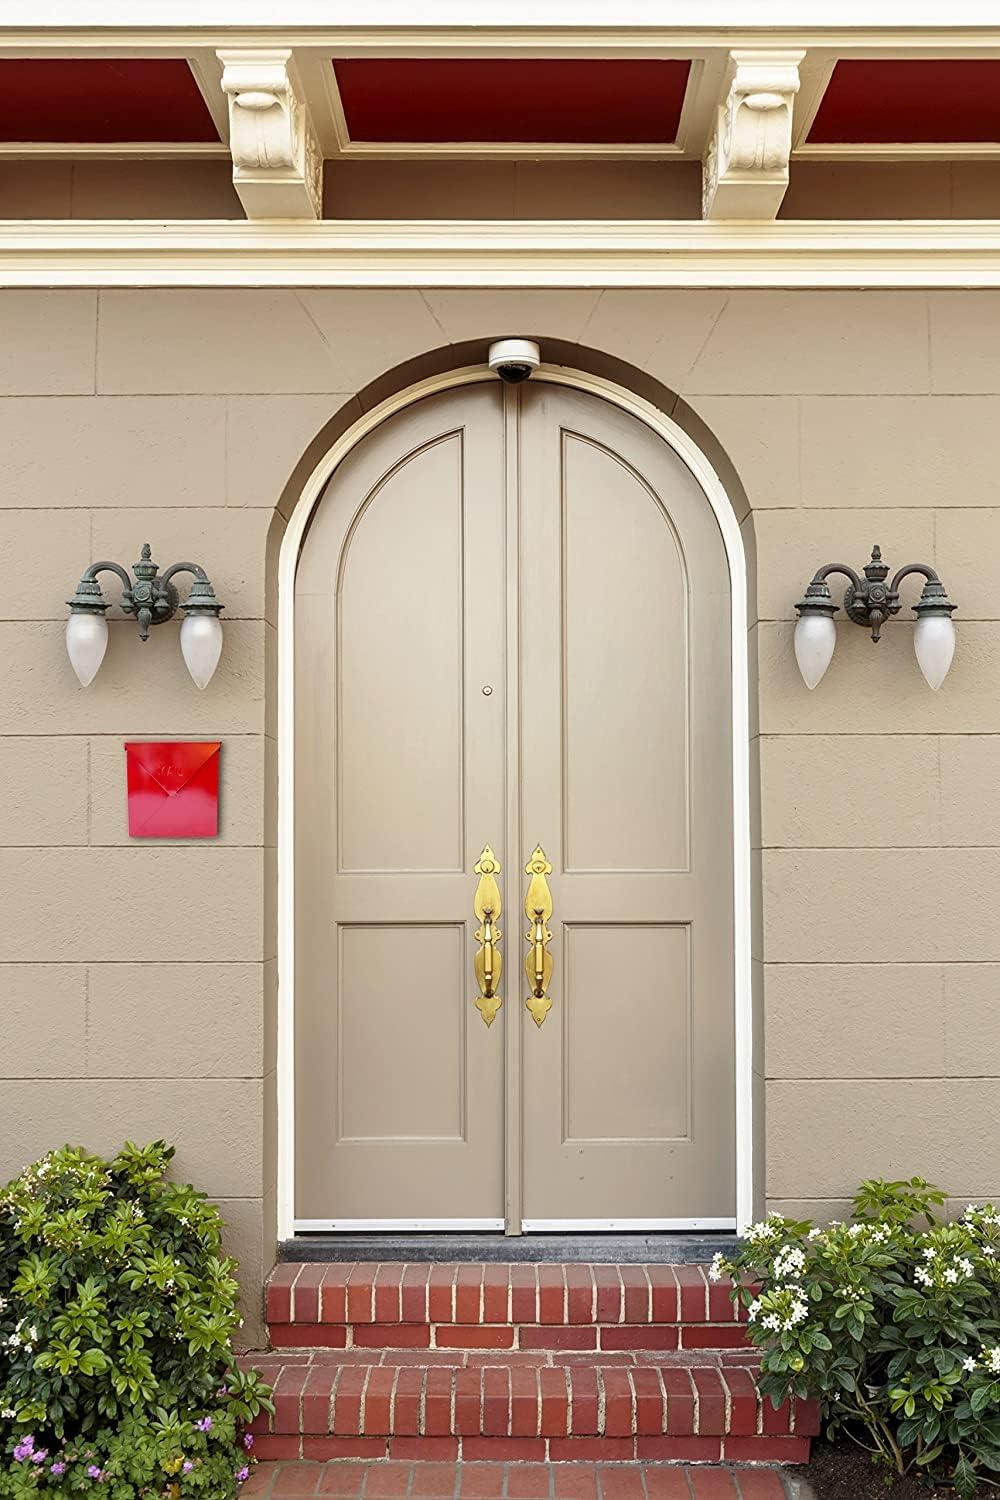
column 626, row 782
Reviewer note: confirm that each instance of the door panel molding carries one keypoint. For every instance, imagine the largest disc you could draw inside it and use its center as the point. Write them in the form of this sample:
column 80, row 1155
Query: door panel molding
column 714, row 491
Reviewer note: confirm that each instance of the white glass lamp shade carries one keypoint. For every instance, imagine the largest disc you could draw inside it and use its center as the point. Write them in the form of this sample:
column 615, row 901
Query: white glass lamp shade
column 201, row 646
column 934, row 644
column 86, row 643
column 815, row 638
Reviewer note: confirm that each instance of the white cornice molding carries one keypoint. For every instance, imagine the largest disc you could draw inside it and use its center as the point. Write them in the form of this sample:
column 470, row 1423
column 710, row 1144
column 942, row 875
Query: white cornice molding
column 453, row 15
column 530, row 253
column 691, row 29
column 745, row 167
column 277, row 161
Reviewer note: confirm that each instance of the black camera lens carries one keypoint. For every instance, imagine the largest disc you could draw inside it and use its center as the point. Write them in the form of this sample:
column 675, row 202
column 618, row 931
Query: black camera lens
column 513, row 374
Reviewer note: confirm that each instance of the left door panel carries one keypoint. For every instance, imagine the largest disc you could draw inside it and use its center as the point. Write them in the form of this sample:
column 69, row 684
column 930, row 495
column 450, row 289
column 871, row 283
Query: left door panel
column 400, row 610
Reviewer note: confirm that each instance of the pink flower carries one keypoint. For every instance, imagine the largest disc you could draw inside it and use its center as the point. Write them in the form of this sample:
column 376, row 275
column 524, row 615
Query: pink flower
column 94, row 1471
column 58, row 1468
column 248, row 1440
column 24, row 1448
column 205, row 1425
column 187, row 1466
column 242, row 1474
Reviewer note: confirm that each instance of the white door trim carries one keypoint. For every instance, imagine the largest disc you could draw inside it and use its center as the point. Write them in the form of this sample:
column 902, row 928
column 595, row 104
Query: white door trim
column 401, row 1226
column 291, row 545
column 623, row 1226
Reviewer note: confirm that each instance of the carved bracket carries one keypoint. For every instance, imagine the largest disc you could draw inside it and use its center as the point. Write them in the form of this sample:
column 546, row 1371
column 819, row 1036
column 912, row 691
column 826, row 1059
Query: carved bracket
column 745, row 167
column 277, row 161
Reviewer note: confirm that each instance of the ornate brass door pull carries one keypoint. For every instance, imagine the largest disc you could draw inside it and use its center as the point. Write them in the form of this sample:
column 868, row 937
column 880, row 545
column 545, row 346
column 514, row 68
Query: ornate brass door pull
column 489, row 959
column 538, row 959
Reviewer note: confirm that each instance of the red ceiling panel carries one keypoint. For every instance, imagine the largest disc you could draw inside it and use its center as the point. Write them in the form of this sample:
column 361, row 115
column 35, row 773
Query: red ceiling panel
column 564, row 100
column 873, row 102
column 101, row 100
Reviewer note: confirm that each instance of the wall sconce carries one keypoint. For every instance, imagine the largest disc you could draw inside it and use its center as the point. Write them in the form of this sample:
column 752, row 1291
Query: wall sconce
column 870, row 601
column 152, row 599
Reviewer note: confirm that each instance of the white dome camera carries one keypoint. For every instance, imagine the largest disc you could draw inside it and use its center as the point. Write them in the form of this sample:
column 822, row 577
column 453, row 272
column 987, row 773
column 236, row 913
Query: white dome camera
column 514, row 359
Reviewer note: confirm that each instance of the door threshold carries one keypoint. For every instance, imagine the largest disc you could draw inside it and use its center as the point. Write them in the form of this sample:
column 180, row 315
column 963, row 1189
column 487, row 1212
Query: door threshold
column 668, row 1247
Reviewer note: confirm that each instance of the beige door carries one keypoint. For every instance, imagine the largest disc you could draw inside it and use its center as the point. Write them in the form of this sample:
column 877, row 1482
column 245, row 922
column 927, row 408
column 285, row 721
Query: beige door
column 512, row 628
column 626, row 782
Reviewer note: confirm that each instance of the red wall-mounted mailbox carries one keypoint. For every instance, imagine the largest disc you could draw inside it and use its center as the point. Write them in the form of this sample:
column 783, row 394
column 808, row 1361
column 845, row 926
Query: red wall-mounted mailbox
column 173, row 789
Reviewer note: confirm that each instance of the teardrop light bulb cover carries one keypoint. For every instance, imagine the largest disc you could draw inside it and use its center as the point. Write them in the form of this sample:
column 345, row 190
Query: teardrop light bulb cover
column 86, row 643
column 201, row 646
column 815, row 639
column 934, row 645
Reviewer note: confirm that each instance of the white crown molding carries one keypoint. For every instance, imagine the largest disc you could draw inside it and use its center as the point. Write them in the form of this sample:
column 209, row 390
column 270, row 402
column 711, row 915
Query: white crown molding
column 114, row 150
column 898, row 151
column 529, row 253
column 277, row 160
column 745, row 167
column 731, row 16
column 416, row 30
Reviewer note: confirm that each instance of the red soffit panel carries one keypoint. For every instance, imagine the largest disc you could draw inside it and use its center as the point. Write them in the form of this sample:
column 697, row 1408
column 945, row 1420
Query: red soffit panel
column 102, row 99
column 872, row 103
column 562, row 100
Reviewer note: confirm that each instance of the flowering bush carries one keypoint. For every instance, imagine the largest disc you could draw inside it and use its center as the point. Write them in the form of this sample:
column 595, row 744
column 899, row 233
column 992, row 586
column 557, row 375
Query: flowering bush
column 116, row 1313
column 892, row 1321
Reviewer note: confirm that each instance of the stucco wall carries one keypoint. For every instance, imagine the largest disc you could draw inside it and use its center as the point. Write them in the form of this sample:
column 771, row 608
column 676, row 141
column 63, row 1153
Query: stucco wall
column 139, row 979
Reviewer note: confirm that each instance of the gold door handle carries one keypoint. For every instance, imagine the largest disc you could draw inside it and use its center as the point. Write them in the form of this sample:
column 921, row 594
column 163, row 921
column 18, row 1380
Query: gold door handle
column 538, row 959
column 489, row 959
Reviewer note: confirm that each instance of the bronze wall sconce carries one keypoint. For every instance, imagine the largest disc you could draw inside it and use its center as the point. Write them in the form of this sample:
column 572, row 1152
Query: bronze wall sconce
column 871, row 602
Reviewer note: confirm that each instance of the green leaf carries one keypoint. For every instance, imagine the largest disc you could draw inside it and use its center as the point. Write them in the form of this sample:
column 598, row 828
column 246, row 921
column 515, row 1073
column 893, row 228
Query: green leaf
column 963, row 1477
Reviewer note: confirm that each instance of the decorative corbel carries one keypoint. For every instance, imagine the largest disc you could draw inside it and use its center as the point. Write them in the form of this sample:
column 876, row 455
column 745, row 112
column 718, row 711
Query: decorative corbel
column 277, row 161
column 745, row 167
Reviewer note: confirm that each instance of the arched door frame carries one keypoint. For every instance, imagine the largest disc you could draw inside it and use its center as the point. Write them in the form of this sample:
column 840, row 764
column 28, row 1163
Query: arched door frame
column 291, row 546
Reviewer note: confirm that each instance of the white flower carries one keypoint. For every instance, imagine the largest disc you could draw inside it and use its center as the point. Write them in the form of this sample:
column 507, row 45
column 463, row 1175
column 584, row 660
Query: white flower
column 969, row 1364
column 856, row 1229
column 989, row 1250
column 992, row 1357
column 772, row 1321
column 715, row 1269
column 970, row 1209
column 798, row 1314
column 752, row 1312
column 761, row 1231
column 923, row 1277
column 789, row 1262
column 964, row 1264
column 929, row 1253
column 950, row 1275
column 815, row 1232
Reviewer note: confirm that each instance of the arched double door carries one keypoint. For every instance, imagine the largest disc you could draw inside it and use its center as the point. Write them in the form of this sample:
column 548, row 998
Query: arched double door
column 512, row 629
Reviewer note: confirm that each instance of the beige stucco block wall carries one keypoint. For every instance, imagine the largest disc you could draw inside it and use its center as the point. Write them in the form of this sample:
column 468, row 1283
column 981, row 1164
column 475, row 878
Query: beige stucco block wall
column 139, row 978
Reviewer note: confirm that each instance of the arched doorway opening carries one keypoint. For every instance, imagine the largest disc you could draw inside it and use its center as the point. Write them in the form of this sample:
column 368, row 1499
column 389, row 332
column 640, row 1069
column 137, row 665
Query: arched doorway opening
column 514, row 618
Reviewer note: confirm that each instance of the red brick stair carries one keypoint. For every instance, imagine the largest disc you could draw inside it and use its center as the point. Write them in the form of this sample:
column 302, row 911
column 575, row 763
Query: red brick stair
column 353, row 1305
column 516, row 1362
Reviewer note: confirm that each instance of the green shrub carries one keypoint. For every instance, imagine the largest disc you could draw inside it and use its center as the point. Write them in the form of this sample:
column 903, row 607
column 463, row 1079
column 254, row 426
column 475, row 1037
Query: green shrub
column 892, row 1321
column 117, row 1309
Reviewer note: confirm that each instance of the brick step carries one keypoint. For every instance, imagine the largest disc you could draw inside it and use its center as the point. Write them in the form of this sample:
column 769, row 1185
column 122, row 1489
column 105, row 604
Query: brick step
column 640, row 1406
column 364, row 1305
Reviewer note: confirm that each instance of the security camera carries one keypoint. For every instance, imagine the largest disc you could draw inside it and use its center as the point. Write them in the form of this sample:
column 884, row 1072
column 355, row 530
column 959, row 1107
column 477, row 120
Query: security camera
column 514, row 359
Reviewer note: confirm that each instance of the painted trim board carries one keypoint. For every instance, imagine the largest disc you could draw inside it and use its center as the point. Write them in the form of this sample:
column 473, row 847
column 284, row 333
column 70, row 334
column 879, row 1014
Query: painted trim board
column 503, row 253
